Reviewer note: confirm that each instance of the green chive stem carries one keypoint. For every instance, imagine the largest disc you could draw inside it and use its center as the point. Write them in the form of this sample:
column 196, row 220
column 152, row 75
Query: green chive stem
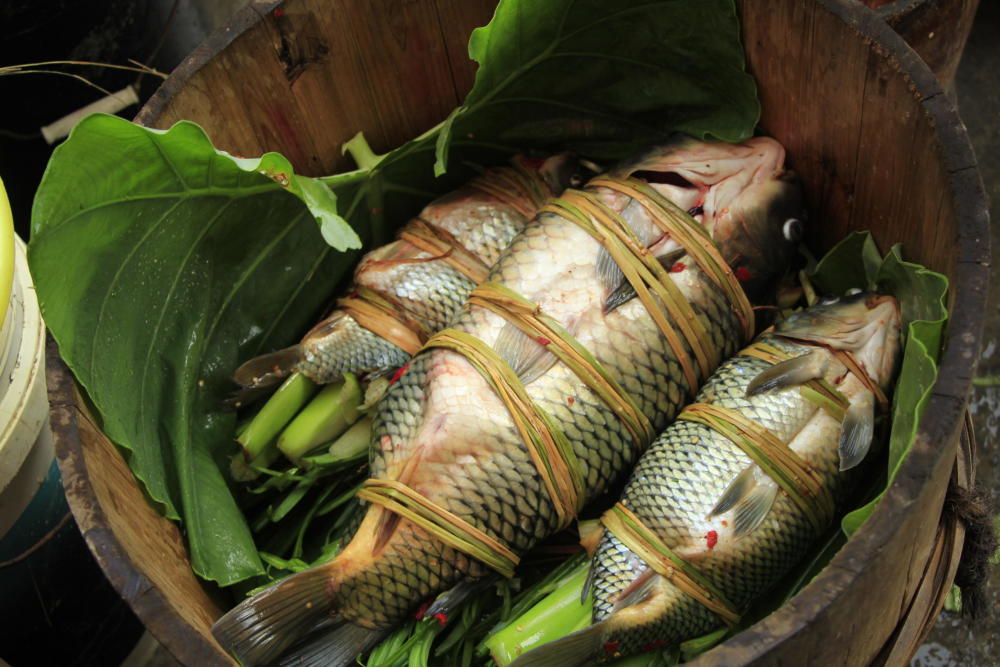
column 555, row 616
column 328, row 415
column 275, row 414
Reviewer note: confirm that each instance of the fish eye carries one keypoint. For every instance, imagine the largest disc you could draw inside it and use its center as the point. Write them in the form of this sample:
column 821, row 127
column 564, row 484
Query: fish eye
column 792, row 230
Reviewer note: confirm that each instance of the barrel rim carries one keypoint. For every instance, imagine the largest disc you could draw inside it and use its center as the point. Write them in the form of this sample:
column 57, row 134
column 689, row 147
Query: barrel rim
column 943, row 415
column 941, row 422
column 149, row 603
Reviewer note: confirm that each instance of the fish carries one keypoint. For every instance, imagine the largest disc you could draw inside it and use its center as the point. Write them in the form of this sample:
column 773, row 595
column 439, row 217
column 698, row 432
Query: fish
column 421, row 278
column 444, row 439
column 714, row 508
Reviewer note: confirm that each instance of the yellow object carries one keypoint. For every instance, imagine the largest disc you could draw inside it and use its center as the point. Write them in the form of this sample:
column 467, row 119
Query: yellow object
column 6, row 252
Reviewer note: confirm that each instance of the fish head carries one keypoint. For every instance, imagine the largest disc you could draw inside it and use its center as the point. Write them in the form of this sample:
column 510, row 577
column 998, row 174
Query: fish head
column 866, row 324
column 741, row 193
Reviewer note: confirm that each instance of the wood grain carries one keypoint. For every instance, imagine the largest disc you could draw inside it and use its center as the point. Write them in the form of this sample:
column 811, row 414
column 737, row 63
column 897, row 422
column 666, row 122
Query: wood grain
column 875, row 142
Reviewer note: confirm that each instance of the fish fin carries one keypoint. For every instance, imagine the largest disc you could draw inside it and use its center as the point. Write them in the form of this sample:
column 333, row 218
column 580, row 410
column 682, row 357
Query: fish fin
column 527, row 357
column 384, row 529
column 588, row 584
column 636, row 592
column 262, row 627
column 446, row 602
column 856, row 432
column 608, row 272
column 388, row 520
column 582, row 647
column 341, row 645
column 625, row 292
column 268, row 369
column 753, row 509
column 789, row 373
column 737, row 490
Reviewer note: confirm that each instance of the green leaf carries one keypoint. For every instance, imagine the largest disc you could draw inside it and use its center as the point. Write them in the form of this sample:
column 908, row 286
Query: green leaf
column 317, row 195
column 853, row 262
column 605, row 79
column 160, row 263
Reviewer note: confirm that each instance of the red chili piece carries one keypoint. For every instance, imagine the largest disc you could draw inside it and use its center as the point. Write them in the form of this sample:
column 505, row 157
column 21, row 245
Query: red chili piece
column 542, row 340
column 278, row 13
column 398, row 374
column 421, row 610
column 442, row 618
column 711, row 539
column 611, row 647
column 743, row 274
column 678, row 267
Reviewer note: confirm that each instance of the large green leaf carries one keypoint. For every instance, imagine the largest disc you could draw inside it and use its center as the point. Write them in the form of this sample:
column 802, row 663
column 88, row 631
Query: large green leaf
column 161, row 262
column 605, row 78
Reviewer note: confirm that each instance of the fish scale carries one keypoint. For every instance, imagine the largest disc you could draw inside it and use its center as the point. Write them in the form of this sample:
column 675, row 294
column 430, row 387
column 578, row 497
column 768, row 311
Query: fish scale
column 443, row 437
column 430, row 291
column 601, row 442
column 674, row 488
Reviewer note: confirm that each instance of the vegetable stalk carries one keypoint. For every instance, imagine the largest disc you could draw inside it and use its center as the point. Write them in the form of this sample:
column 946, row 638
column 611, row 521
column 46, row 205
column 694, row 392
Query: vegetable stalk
column 257, row 437
column 326, row 417
column 556, row 615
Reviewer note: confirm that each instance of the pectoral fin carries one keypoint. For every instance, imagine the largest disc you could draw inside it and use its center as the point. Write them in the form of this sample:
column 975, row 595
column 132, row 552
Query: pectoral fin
column 857, row 431
column 790, row 373
column 625, row 292
column 750, row 495
column 447, row 602
column 527, row 357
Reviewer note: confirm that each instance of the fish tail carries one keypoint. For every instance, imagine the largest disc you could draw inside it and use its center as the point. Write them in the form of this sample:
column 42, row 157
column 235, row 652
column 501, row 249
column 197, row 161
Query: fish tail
column 583, row 647
column 330, row 647
column 268, row 369
column 262, row 627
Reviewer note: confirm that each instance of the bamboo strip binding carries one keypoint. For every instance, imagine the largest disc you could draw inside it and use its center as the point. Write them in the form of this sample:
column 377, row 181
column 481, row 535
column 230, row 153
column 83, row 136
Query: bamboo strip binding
column 775, row 458
column 638, row 538
column 548, row 447
column 517, row 186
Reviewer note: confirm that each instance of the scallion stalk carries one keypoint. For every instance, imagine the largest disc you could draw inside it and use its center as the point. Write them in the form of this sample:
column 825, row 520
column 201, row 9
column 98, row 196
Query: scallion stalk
column 328, row 415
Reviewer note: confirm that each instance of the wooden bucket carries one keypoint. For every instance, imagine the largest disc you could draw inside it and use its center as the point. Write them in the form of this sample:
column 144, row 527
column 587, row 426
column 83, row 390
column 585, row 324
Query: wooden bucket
column 936, row 29
column 877, row 146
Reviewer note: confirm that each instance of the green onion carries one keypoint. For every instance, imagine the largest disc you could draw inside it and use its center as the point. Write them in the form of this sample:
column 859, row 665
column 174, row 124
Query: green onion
column 257, row 437
column 327, row 416
column 556, row 615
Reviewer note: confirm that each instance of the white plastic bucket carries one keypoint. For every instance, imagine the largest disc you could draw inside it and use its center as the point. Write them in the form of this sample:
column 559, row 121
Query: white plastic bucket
column 27, row 465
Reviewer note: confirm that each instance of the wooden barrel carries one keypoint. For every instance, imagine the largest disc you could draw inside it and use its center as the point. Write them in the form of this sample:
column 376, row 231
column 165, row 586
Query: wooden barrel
column 936, row 29
column 877, row 146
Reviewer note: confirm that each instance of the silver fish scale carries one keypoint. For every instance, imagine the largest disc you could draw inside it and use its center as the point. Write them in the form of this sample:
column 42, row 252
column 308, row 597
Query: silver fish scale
column 417, row 567
column 487, row 229
column 348, row 348
column 499, row 491
column 674, row 487
column 432, row 291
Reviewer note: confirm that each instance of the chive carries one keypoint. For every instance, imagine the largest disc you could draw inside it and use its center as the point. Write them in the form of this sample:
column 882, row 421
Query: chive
column 327, row 416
